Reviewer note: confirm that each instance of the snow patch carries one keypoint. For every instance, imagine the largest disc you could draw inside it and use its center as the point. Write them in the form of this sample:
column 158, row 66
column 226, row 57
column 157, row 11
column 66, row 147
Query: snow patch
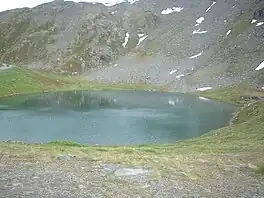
column 173, row 71
column 172, row 103
column 5, row 67
column 115, row 65
column 203, row 98
column 261, row 66
column 140, row 35
column 110, row 3
column 132, row 1
column 253, row 21
column 259, row 24
column 200, row 20
column 228, row 32
column 195, row 56
column 210, row 6
column 142, row 39
column 262, row 88
column 179, row 76
column 196, row 24
column 204, row 88
column 171, row 10
column 126, row 40
column 199, row 32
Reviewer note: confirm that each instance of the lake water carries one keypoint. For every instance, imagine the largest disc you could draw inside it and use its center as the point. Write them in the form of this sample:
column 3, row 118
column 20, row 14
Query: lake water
column 110, row 117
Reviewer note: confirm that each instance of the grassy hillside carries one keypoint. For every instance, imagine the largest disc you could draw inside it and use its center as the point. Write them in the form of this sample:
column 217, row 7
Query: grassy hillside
column 21, row 81
column 238, row 95
column 18, row 80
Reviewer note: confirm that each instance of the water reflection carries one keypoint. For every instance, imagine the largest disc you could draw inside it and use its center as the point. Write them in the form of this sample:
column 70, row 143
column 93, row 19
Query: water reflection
column 110, row 117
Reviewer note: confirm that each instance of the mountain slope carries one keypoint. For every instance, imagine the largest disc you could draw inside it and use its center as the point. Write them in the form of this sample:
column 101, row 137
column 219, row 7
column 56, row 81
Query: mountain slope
column 183, row 44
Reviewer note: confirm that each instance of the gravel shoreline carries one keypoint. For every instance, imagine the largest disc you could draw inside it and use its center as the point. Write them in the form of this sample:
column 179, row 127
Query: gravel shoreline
column 85, row 178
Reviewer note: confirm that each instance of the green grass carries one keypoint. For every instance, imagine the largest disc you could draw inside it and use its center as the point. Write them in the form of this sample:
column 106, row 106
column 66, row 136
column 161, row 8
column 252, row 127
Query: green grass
column 65, row 143
column 17, row 81
column 237, row 95
column 261, row 170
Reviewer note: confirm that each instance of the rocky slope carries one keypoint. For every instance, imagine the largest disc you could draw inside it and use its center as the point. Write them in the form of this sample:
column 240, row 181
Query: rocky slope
column 185, row 44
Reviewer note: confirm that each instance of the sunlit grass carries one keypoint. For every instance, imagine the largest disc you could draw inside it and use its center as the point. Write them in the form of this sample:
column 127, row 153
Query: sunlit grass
column 17, row 81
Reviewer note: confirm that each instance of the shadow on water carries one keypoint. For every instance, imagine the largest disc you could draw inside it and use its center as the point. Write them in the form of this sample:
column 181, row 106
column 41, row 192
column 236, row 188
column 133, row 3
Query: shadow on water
column 110, row 117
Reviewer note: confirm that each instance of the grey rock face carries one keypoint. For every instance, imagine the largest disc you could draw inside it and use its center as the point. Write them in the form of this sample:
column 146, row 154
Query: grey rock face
column 209, row 44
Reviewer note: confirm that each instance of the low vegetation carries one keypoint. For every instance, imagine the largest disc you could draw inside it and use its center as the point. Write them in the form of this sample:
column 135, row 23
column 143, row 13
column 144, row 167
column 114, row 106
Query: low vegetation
column 65, row 143
column 237, row 95
column 261, row 170
column 18, row 80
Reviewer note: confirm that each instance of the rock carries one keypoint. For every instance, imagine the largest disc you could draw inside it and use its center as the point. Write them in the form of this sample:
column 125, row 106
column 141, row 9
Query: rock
column 17, row 185
column 252, row 166
column 146, row 186
column 81, row 186
column 129, row 172
column 65, row 157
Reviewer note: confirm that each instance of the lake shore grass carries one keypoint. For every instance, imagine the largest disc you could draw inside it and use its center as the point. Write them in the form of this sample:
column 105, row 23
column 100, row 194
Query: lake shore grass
column 21, row 81
column 203, row 157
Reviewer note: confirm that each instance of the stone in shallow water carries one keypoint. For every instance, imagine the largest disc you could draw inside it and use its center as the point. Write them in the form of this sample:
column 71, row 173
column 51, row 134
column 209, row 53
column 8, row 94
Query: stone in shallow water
column 129, row 172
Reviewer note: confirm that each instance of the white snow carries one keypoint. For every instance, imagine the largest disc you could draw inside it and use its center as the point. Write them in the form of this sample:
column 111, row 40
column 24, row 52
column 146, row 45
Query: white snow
column 142, row 39
column 33, row 3
column 173, row 71
column 203, row 98
column 210, row 6
column 195, row 56
column 228, row 32
column 172, row 103
column 261, row 66
column 253, row 21
column 179, row 76
column 262, row 88
column 199, row 32
column 140, row 35
column 171, row 10
column 259, row 24
column 5, row 67
column 204, row 88
column 200, row 20
column 132, row 1
column 126, row 40
column 196, row 24
column 111, row 2
column 115, row 65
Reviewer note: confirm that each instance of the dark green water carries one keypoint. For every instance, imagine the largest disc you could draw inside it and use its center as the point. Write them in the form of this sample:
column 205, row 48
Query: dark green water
column 110, row 117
